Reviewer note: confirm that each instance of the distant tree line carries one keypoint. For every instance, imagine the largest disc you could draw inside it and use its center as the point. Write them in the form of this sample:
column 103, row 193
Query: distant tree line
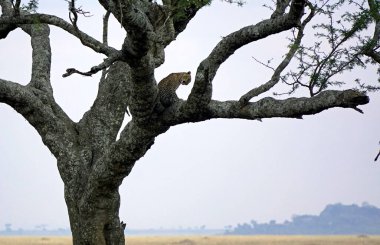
column 334, row 219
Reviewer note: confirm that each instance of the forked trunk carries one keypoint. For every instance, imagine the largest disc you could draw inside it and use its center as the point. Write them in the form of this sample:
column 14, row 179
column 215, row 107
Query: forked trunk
column 94, row 216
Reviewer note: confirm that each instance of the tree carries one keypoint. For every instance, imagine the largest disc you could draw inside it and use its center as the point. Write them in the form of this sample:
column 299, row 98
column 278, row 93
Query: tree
column 91, row 159
column 8, row 227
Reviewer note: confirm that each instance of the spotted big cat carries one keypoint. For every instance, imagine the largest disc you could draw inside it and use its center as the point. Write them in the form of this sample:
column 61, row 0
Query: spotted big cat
column 167, row 87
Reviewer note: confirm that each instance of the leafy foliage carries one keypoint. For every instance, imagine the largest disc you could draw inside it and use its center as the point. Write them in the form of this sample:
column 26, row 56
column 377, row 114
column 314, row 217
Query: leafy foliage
column 238, row 2
column 31, row 6
column 338, row 47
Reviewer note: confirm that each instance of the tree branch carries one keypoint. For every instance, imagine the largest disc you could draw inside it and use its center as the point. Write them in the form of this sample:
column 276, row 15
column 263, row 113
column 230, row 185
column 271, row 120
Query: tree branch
column 86, row 40
column 182, row 15
column 200, row 95
column 285, row 62
column 281, row 6
column 291, row 107
column 143, row 90
column 38, row 108
column 134, row 20
column 73, row 29
column 270, row 108
column 5, row 29
column 103, row 121
column 16, row 7
column 139, row 53
column 95, row 69
column 151, row 26
column 105, row 27
column 6, row 7
column 35, row 102
column 369, row 48
column 41, row 56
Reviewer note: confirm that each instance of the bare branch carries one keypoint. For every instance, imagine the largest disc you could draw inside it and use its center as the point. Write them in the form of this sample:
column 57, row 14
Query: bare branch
column 134, row 20
column 6, row 7
column 277, row 72
column 291, row 108
column 270, row 108
column 105, row 38
column 108, row 61
column 11, row 93
column 151, row 26
column 7, row 10
column 86, row 40
column 95, row 69
column 281, row 6
column 139, row 52
column 105, row 27
column 202, row 89
column 40, row 110
column 41, row 56
column 73, row 16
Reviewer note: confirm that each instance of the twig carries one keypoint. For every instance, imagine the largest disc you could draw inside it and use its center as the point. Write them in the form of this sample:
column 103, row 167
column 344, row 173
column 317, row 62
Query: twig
column 95, row 69
column 280, row 68
column 73, row 15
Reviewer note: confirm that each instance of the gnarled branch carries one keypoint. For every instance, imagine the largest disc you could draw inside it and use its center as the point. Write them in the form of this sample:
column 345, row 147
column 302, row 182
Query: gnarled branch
column 289, row 108
column 95, row 69
column 38, row 108
column 7, row 10
column 41, row 56
column 285, row 62
column 269, row 107
column 86, row 40
column 200, row 95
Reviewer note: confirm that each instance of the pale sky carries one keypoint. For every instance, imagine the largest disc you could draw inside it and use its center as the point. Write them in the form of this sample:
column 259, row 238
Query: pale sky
column 214, row 173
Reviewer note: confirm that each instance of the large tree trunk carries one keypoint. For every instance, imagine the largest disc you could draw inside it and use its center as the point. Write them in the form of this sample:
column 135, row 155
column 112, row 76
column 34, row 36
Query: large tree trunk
column 93, row 205
column 94, row 218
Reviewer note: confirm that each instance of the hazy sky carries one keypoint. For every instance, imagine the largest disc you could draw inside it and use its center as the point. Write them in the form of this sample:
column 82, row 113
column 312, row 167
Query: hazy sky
column 214, row 173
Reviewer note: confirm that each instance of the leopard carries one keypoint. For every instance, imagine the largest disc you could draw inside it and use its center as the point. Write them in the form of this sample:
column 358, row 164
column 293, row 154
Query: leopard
column 168, row 86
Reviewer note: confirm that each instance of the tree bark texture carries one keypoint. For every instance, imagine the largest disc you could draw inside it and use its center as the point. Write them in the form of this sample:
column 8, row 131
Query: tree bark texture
column 91, row 160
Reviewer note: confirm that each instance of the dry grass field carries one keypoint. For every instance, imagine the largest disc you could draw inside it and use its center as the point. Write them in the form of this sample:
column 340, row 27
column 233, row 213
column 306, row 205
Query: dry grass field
column 210, row 240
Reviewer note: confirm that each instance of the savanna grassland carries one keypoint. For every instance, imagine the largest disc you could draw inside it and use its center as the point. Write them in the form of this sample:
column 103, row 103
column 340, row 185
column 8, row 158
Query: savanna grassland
column 210, row 240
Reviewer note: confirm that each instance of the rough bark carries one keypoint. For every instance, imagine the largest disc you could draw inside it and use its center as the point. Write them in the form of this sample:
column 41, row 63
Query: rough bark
column 91, row 160
column 94, row 215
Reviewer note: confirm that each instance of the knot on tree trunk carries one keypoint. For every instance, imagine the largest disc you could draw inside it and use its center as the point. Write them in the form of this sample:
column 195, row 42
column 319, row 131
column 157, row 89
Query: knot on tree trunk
column 353, row 98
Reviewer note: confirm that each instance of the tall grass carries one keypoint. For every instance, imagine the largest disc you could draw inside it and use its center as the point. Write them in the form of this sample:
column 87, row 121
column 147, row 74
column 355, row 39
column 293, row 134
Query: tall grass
column 210, row 240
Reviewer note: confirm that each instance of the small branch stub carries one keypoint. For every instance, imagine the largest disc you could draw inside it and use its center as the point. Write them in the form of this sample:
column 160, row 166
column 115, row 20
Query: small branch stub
column 71, row 71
